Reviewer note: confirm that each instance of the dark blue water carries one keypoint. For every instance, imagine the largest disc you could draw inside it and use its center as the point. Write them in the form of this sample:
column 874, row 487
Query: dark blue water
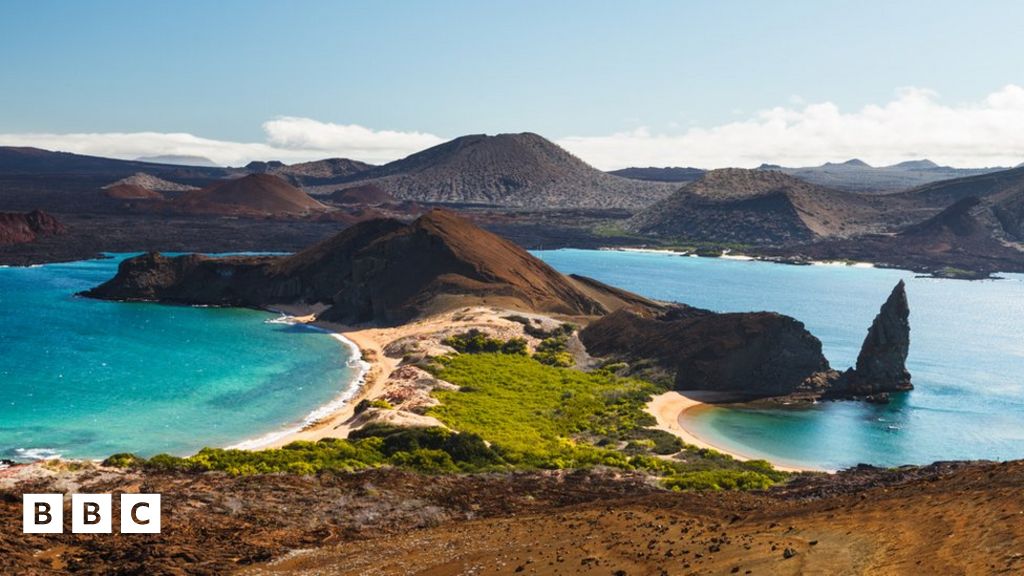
column 84, row 378
column 966, row 356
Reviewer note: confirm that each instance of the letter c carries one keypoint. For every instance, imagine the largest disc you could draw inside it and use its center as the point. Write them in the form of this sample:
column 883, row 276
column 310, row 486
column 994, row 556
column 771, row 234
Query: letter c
column 135, row 515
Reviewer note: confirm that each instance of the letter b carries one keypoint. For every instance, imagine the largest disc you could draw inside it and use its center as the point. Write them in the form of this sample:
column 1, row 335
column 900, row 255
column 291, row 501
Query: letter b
column 42, row 514
column 91, row 513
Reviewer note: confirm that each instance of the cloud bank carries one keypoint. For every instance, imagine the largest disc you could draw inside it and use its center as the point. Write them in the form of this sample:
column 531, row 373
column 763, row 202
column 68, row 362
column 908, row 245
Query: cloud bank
column 915, row 124
column 288, row 139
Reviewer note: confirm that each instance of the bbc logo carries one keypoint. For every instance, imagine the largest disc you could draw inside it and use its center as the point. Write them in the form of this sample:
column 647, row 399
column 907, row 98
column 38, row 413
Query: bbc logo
column 90, row 513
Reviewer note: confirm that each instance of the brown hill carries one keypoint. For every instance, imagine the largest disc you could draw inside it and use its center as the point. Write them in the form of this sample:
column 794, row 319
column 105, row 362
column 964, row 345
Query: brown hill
column 365, row 194
column 131, row 192
column 522, row 170
column 758, row 207
column 380, row 270
column 16, row 228
column 253, row 195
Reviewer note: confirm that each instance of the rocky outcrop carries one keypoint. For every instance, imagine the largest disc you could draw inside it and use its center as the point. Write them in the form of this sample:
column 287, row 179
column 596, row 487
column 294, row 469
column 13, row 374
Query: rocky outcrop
column 381, row 271
column 881, row 365
column 16, row 228
column 755, row 354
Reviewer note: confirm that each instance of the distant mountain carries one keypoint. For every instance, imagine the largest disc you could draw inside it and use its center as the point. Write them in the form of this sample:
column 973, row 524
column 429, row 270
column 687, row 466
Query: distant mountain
column 858, row 176
column 764, row 208
column 180, row 159
column 35, row 162
column 311, row 174
column 669, row 174
column 253, row 195
column 512, row 170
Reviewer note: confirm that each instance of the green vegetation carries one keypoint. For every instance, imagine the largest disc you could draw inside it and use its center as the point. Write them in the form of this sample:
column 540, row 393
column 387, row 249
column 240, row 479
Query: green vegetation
column 428, row 450
column 553, row 351
column 957, row 273
column 475, row 342
column 540, row 416
column 366, row 404
column 512, row 412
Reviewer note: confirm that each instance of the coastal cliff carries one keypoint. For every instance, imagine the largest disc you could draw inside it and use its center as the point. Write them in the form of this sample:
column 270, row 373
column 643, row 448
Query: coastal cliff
column 756, row 354
column 753, row 353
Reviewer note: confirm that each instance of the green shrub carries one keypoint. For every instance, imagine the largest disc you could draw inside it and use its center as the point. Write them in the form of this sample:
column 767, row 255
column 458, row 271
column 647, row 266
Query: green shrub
column 476, row 342
column 722, row 479
column 124, row 460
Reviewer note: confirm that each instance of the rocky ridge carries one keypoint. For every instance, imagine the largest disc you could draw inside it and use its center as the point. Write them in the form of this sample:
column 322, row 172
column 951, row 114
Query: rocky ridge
column 16, row 228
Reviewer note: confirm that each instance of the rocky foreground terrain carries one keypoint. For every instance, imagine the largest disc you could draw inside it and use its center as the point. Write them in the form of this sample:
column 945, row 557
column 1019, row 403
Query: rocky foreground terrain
column 952, row 518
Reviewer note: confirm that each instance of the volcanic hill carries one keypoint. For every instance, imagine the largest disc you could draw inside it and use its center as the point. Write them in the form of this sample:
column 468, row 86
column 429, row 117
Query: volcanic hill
column 511, row 170
column 253, row 195
column 380, row 270
column 756, row 207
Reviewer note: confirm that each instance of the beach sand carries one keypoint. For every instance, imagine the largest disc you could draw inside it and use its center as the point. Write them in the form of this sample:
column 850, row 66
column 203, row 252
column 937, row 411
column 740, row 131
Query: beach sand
column 669, row 410
column 372, row 343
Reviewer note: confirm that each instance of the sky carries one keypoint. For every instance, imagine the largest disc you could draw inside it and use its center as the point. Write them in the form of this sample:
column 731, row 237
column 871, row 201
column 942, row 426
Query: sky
column 643, row 82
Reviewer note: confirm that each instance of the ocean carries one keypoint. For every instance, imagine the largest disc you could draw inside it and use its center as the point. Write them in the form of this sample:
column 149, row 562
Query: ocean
column 83, row 378
column 966, row 356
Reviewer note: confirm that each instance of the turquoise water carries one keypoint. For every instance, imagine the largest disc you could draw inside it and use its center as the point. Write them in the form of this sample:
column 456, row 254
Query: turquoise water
column 966, row 356
column 84, row 378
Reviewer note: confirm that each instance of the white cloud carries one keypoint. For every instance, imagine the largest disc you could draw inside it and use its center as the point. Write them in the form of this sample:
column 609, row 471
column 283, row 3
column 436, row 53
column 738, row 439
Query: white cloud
column 288, row 139
column 914, row 125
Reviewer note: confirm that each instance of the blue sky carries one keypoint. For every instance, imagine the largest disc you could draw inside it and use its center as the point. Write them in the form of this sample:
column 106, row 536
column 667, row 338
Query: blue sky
column 572, row 71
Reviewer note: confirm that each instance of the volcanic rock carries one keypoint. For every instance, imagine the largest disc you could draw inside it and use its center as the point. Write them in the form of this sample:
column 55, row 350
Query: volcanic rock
column 17, row 228
column 755, row 354
column 380, row 270
column 881, row 365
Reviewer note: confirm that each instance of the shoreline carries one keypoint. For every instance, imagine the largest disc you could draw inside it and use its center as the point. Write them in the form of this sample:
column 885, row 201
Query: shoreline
column 324, row 411
column 670, row 409
column 329, row 419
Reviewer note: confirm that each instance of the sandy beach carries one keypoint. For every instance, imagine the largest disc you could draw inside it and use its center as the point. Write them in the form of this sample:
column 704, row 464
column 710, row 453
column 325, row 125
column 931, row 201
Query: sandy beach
column 669, row 409
column 377, row 380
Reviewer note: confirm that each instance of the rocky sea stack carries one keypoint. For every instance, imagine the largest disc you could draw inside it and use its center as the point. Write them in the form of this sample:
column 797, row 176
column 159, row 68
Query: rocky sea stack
column 881, row 365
